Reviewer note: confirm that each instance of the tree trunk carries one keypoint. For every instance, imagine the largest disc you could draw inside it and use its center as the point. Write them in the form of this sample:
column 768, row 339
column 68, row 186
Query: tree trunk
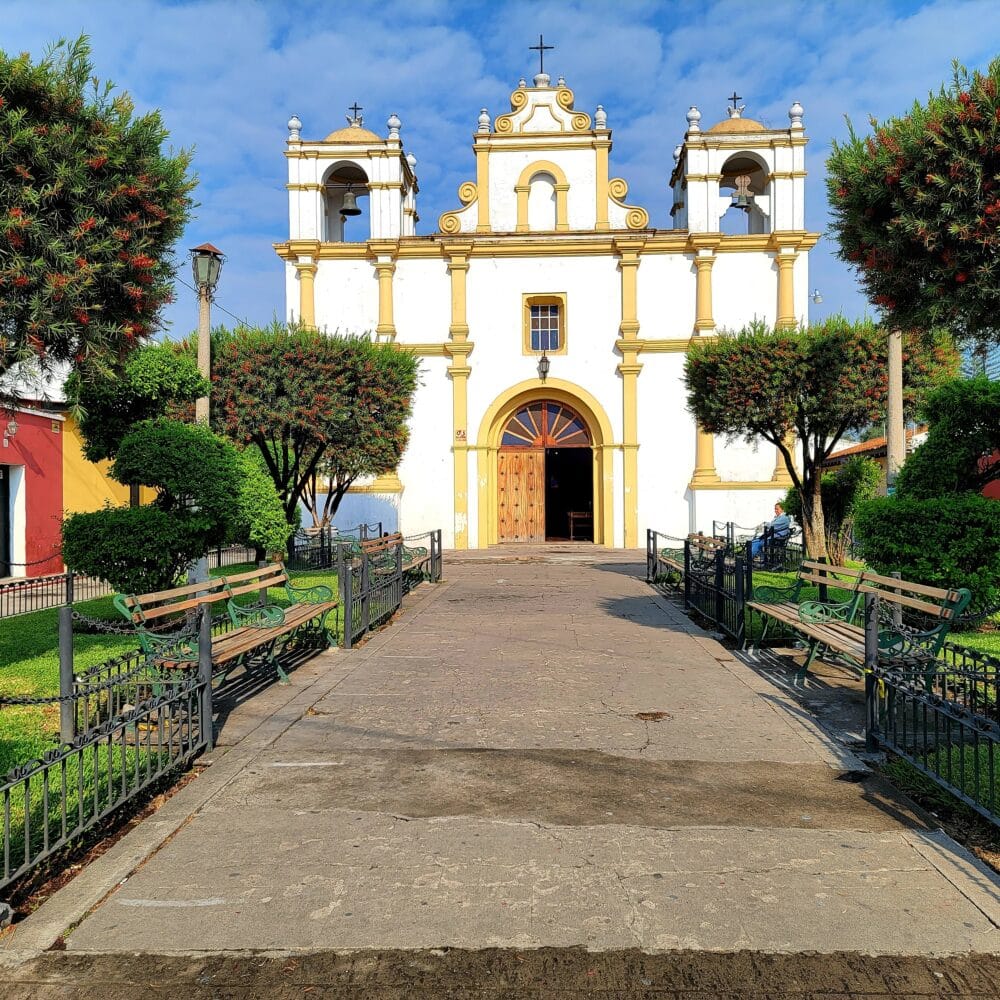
column 813, row 525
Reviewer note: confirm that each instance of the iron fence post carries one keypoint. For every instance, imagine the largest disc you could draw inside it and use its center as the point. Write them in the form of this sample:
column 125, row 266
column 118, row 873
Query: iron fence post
column 687, row 572
column 740, row 636
column 205, row 677
column 363, row 532
column 67, row 708
column 897, row 609
column 720, row 579
column 649, row 543
column 871, row 665
column 365, row 593
column 398, row 585
column 345, row 586
column 433, row 547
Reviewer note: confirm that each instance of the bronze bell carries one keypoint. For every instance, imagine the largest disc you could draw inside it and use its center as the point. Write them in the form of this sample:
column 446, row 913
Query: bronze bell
column 350, row 206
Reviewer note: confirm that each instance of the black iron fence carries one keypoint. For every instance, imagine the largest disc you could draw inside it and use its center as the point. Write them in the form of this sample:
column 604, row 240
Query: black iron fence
column 45, row 804
column 664, row 557
column 372, row 583
column 717, row 585
column 941, row 716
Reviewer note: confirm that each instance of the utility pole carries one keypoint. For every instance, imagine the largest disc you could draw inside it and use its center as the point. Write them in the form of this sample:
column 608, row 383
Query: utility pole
column 895, row 430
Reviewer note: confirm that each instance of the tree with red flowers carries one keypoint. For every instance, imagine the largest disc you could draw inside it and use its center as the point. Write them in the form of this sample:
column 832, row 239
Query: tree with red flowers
column 314, row 404
column 90, row 208
column 916, row 209
column 814, row 384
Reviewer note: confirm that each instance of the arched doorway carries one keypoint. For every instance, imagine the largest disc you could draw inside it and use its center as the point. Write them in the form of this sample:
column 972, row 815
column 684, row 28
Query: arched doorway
column 545, row 482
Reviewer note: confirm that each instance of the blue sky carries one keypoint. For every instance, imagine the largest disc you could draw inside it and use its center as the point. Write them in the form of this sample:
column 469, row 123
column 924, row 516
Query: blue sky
column 226, row 75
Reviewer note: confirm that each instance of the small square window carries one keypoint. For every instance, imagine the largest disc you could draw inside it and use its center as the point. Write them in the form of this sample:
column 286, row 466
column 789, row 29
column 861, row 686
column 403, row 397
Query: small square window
column 545, row 324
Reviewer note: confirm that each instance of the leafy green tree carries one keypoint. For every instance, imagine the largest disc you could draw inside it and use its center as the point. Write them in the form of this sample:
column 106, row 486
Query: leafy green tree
column 90, row 208
column 815, row 383
column 841, row 493
column 962, row 440
column 149, row 382
column 311, row 401
column 260, row 516
column 196, row 475
column 916, row 209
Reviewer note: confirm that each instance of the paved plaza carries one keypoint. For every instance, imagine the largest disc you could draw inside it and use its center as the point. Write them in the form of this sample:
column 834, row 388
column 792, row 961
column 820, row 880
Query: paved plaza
column 543, row 755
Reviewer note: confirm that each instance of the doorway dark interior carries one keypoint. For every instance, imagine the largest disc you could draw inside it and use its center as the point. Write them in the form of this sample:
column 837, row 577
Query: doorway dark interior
column 569, row 487
column 4, row 520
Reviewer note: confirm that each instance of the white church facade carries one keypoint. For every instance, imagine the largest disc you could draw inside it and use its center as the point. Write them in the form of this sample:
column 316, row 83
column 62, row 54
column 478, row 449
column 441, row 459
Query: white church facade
column 545, row 265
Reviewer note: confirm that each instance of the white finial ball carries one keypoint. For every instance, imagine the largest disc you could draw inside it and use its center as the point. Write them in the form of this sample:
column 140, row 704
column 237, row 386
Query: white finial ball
column 394, row 125
column 294, row 128
column 693, row 117
column 601, row 117
column 561, row 82
column 412, row 160
column 678, row 149
column 795, row 113
column 541, row 79
column 484, row 121
column 522, row 83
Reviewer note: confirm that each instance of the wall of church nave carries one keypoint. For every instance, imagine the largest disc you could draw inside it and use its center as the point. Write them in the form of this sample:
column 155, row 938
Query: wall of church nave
column 496, row 325
column 426, row 470
column 665, row 294
column 363, row 508
column 744, row 286
column 346, row 296
column 421, row 293
column 747, row 508
column 579, row 166
column 666, row 445
column 741, row 462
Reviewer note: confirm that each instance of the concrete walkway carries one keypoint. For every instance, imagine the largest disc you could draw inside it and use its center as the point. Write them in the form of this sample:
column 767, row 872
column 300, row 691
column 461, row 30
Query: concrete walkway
column 540, row 753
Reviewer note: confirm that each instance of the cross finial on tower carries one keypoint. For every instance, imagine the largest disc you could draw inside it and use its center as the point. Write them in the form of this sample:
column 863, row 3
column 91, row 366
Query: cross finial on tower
column 355, row 118
column 737, row 109
column 541, row 48
column 735, row 99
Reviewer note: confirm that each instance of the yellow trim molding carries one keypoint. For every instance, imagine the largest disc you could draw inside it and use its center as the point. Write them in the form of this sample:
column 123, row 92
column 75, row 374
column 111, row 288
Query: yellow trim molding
column 482, row 152
column 727, row 485
column 488, row 444
column 529, row 299
column 635, row 217
column 786, row 290
column 388, row 483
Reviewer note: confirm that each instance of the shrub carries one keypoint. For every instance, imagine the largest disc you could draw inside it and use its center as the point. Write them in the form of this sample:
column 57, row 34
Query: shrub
column 260, row 515
column 841, row 492
column 949, row 541
column 136, row 549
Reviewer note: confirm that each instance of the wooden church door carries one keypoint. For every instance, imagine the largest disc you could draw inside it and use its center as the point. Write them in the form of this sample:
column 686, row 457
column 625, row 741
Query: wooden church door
column 521, row 466
column 521, row 501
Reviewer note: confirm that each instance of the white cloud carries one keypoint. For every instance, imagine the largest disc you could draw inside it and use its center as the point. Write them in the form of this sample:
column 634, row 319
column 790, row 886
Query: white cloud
column 227, row 73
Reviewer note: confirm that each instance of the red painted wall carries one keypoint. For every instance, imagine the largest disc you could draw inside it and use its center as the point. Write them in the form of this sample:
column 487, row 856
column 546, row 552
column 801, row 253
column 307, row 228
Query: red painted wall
column 39, row 450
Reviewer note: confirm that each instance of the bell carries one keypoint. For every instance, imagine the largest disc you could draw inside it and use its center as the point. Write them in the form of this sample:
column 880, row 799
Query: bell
column 350, row 206
column 741, row 201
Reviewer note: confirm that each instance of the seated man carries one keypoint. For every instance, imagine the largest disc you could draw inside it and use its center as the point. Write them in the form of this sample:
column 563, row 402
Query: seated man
column 780, row 528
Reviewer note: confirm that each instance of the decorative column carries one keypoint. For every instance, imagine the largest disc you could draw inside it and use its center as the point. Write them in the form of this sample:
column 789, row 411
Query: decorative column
column 307, row 292
column 459, row 348
column 781, row 475
column 482, row 151
column 602, row 147
column 562, row 212
column 521, row 191
column 786, row 289
column 628, row 264
column 704, row 326
column 385, row 266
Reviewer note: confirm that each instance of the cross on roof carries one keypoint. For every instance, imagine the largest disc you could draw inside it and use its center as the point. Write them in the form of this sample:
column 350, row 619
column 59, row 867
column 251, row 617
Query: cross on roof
column 541, row 48
column 735, row 99
column 357, row 112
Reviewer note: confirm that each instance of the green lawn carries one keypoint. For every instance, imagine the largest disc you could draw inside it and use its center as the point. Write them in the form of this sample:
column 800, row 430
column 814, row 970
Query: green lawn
column 29, row 663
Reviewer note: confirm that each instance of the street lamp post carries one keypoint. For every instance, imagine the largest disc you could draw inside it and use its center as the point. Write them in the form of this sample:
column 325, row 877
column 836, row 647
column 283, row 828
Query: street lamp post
column 206, row 265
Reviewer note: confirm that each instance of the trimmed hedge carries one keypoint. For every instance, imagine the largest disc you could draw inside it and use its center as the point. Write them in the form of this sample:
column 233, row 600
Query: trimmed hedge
column 951, row 541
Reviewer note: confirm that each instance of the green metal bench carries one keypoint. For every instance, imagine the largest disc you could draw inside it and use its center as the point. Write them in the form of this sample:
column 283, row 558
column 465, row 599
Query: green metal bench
column 257, row 629
column 836, row 626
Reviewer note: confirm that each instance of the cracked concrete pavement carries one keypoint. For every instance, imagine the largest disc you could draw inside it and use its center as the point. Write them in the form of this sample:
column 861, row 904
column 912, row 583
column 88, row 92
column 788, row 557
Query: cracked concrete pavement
column 479, row 776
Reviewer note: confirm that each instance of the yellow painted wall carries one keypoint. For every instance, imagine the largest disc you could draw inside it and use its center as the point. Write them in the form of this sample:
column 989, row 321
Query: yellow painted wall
column 87, row 485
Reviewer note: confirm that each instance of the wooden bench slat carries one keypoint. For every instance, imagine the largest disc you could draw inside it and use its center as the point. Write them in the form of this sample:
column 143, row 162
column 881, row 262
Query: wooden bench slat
column 274, row 569
column 257, row 586
column 916, row 588
column 169, row 609
column 189, row 588
column 926, row 607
